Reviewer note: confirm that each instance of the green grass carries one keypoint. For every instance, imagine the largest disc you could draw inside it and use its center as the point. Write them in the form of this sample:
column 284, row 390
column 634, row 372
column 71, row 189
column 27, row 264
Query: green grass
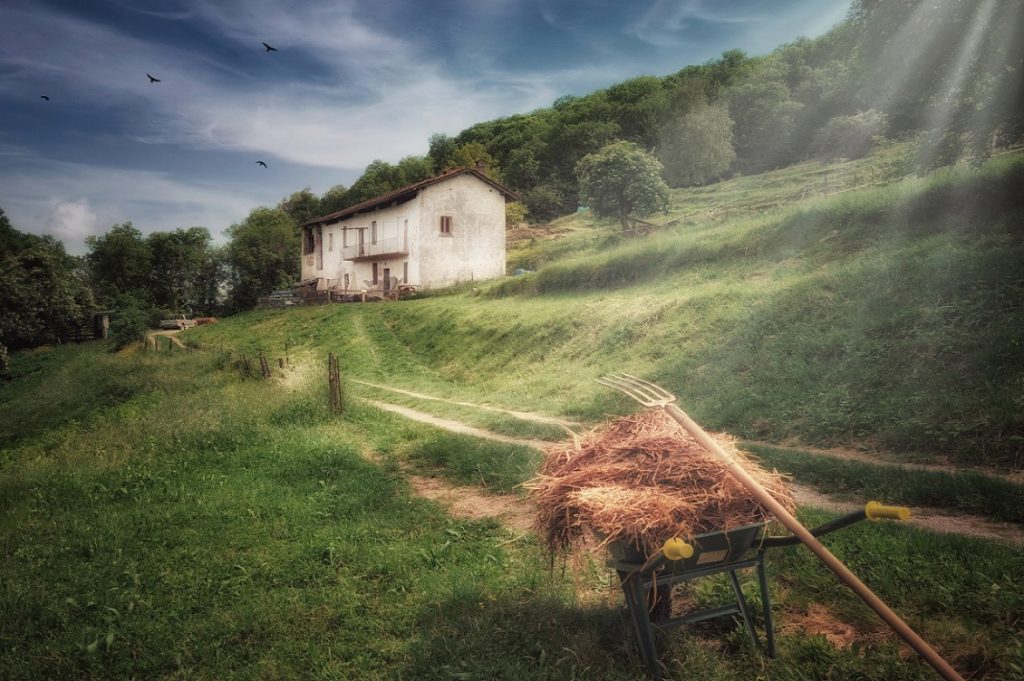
column 217, row 527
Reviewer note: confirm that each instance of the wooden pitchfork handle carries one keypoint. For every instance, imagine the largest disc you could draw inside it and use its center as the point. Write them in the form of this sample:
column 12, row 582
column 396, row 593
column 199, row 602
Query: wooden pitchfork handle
column 651, row 395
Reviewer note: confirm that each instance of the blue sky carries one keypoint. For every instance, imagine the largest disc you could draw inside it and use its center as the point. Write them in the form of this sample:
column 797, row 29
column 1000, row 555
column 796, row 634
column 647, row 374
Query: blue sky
column 353, row 81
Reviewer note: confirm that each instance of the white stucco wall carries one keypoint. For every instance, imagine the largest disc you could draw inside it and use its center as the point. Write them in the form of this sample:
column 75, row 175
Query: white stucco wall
column 475, row 249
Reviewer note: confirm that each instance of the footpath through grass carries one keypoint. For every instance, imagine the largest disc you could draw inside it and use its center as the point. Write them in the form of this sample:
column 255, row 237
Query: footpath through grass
column 210, row 527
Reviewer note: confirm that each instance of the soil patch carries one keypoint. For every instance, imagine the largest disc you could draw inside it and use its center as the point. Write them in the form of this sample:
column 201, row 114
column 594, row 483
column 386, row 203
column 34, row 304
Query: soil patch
column 524, row 415
column 455, row 426
column 469, row 502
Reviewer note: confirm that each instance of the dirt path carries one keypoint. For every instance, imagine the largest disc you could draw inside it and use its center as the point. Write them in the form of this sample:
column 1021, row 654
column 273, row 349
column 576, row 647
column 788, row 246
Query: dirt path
column 463, row 501
column 925, row 518
column 455, row 426
column 843, row 454
column 524, row 415
column 468, row 502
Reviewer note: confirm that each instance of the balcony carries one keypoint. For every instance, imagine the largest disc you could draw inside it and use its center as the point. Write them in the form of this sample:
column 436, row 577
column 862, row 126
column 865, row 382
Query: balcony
column 384, row 248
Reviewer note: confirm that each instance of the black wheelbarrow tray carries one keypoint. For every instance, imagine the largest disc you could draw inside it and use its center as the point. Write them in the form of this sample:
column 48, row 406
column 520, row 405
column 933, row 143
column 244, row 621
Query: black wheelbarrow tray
column 647, row 582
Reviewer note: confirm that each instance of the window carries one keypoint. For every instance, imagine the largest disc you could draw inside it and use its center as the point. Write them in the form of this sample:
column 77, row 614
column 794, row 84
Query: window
column 344, row 237
column 373, row 236
column 405, row 272
column 330, row 241
column 446, row 224
column 308, row 243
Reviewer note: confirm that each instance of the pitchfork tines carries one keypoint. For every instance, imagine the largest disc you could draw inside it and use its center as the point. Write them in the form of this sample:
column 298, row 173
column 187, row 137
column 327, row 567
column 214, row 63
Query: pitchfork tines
column 644, row 392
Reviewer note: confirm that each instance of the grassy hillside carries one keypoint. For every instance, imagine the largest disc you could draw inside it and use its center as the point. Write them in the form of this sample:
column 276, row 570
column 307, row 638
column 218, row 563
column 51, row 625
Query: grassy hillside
column 169, row 515
column 886, row 317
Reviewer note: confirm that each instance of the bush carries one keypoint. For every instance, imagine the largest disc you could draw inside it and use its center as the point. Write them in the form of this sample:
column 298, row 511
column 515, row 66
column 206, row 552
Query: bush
column 129, row 326
column 849, row 136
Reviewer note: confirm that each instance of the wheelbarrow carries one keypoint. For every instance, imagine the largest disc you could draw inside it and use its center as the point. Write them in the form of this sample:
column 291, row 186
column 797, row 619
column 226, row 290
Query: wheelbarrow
column 651, row 395
column 647, row 583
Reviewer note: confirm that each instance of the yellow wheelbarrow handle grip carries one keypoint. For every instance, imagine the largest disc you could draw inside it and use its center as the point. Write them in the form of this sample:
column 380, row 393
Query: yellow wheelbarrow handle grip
column 676, row 549
column 876, row 510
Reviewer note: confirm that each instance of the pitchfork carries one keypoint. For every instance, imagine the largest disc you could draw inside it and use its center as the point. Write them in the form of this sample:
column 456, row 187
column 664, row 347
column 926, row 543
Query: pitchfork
column 651, row 395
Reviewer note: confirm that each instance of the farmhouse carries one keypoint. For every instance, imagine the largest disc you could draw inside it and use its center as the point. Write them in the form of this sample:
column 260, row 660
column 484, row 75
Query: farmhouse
column 429, row 234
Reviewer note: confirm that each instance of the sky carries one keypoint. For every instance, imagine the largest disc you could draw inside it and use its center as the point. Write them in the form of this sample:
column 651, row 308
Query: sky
column 351, row 81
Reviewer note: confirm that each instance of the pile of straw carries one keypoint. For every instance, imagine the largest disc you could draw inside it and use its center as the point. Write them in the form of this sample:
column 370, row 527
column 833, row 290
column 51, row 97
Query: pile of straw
column 642, row 479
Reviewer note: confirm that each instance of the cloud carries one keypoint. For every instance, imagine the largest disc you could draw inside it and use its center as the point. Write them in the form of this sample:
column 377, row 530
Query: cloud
column 664, row 23
column 72, row 201
column 71, row 221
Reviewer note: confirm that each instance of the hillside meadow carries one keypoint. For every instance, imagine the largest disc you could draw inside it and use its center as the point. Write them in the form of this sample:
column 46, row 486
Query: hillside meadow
column 171, row 515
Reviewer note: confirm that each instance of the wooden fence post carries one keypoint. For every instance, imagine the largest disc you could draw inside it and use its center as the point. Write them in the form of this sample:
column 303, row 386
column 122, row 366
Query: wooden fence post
column 264, row 367
column 333, row 383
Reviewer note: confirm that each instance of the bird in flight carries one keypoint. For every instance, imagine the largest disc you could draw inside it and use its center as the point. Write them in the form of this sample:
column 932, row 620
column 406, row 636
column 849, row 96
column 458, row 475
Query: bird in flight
column 152, row 79
column 44, row 97
column 261, row 163
column 269, row 48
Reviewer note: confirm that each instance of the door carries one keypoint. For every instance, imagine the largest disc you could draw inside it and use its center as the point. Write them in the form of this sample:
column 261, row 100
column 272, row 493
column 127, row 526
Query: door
column 387, row 279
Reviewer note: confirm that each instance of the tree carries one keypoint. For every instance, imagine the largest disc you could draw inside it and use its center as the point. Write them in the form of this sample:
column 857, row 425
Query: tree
column 334, row 199
column 119, row 264
column 413, row 169
column 302, row 206
column 441, row 151
column 547, row 201
column 471, row 154
column 697, row 147
column 622, row 179
column 42, row 295
column 380, row 177
column 180, row 260
column 515, row 214
column 849, row 136
column 262, row 255
column 765, row 119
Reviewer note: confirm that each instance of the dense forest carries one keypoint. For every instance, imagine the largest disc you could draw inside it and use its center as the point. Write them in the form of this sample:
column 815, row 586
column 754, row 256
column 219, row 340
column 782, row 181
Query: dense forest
column 947, row 73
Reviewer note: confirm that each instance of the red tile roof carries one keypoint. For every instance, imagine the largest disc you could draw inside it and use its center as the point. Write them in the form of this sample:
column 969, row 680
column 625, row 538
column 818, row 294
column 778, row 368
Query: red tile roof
column 405, row 193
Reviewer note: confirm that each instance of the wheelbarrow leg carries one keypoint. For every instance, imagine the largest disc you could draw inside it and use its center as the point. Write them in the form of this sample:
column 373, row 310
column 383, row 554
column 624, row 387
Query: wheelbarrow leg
column 636, row 600
column 744, row 608
column 766, row 607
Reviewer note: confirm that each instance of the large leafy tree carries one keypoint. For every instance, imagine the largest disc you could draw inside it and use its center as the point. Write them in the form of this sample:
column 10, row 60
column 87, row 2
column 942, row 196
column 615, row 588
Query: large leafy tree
column 180, row 268
column 43, row 296
column 621, row 180
column 119, row 265
column 697, row 147
column 261, row 256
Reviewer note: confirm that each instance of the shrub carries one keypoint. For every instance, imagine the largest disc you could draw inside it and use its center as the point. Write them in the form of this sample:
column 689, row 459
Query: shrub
column 849, row 136
column 129, row 326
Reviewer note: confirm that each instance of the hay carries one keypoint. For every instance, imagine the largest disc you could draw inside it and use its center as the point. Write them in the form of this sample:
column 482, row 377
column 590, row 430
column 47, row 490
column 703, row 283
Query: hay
column 641, row 480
